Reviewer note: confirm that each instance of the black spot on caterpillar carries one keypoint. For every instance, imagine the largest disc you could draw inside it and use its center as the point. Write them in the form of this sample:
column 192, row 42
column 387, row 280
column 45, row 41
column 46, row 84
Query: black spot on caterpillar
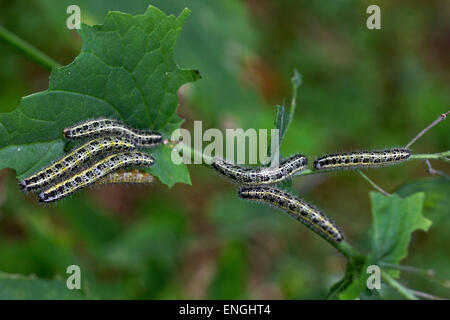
column 112, row 127
column 296, row 208
column 122, row 176
column 73, row 160
column 264, row 175
column 354, row 160
column 94, row 173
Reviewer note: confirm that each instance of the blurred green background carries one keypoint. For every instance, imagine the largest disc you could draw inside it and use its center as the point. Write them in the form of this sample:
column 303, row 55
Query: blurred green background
column 361, row 89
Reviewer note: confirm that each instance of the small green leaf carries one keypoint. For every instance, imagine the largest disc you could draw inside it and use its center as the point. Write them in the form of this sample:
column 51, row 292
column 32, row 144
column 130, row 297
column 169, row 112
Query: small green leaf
column 394, row 220
column 296, row 80
column 168, row 172
column 281, row 122
column 125, row 70
column 284, row 118
column 18, row 287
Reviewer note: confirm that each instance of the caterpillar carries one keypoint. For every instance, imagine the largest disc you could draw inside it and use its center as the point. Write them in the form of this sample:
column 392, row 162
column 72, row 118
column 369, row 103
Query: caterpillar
column 352, row 160
column 264, row 175
column 111, row 127
column 296, row 208
column 121, row 176
column 72, row 160
column 94, row 173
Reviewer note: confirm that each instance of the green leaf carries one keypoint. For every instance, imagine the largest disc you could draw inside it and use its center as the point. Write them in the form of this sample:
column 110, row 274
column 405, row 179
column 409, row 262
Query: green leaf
column 284, row 118
column 168, row 171
column 281, row 122
column 125, row 70
column 394, row 220
column 30, row 288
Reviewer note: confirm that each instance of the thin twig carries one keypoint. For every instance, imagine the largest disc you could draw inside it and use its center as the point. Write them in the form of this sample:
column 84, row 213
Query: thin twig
column 397, row 286
column 426, row 272
column 433, row 171
column 373, row 184
column 27, row 49
column 426, row 295
column 421, row 133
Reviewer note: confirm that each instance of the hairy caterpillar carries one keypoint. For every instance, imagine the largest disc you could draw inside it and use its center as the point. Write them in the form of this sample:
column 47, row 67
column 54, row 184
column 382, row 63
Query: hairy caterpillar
column 363, row 159
column 296, row 208
column 121, row 176
column 111, row 127
column 94, row 173
column 264, row 175
column 72, row 160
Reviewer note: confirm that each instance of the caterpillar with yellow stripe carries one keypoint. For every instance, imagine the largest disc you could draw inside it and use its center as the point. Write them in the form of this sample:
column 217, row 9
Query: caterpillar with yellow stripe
column 122, row 177
column 296, row 208
column 94, row 173
column 112, row 127
column 264, row 175
column 74, row 160
column 355, row 160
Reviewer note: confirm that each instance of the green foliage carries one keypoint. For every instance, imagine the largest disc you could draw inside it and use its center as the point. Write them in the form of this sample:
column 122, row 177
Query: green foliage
column 125, row 70
column 394, row 221
column 30, row 288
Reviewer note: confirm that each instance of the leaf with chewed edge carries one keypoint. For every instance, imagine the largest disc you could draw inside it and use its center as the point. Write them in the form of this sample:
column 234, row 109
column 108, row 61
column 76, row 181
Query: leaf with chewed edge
column 395, row 219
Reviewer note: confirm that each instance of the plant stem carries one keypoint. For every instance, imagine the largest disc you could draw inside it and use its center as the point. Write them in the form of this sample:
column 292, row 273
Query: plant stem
column 296, row 82
column 426, row 295
column 27, row 49
column 306, row 172
column 402, row 290
column 192, row 153
column 373, row 183
column 348, row 251
column 431, row 156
